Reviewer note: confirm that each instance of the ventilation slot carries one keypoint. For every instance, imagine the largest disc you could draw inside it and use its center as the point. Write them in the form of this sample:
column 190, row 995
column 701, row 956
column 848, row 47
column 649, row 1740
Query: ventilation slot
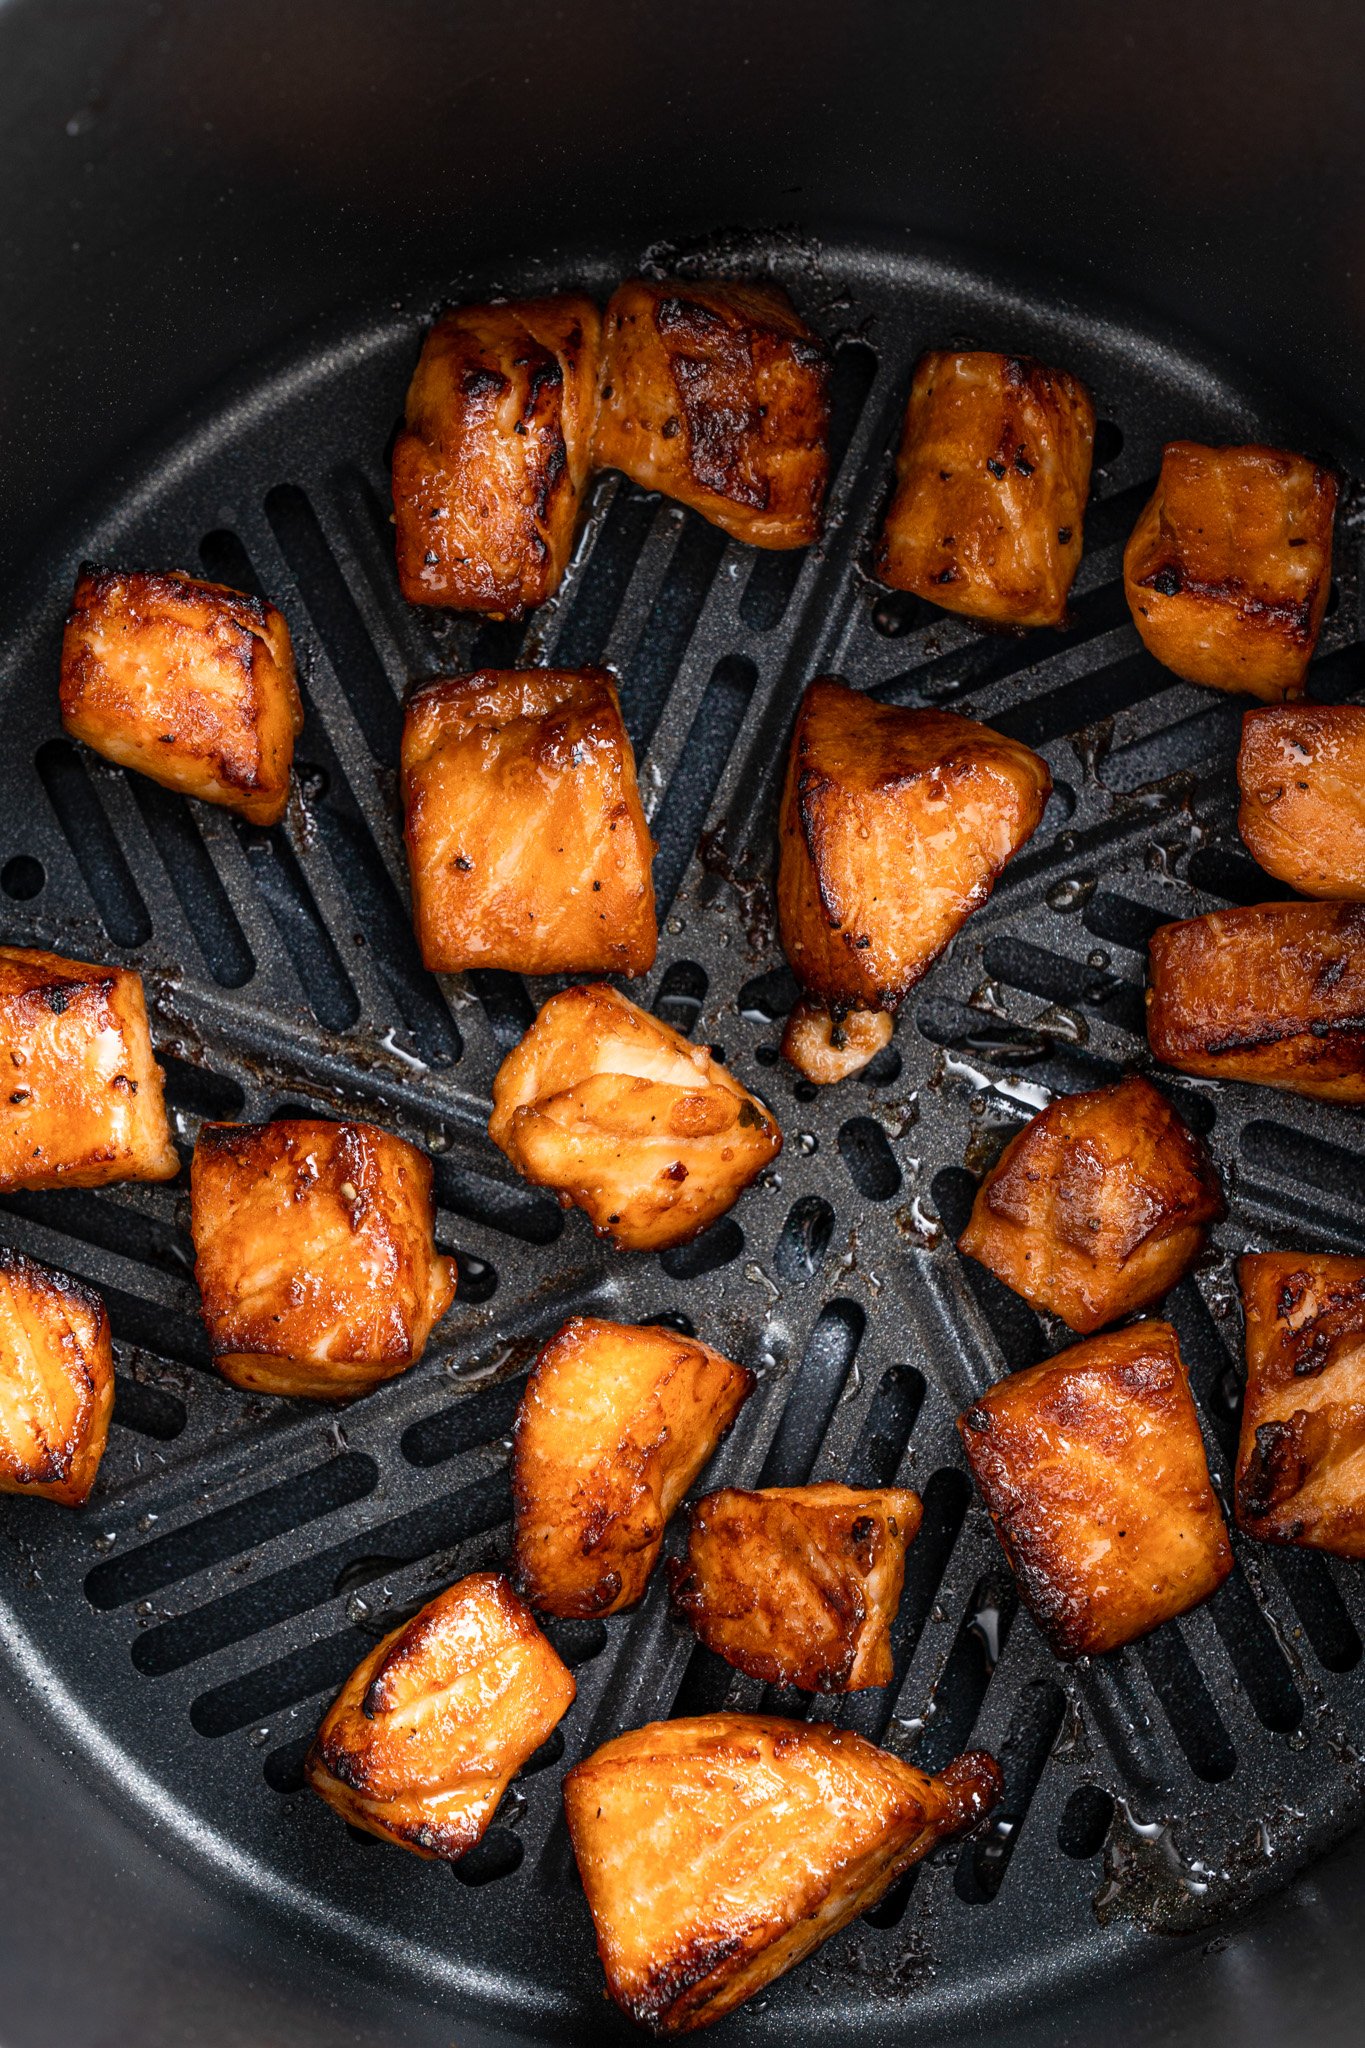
column 716, row 1247
column 673, row 615
column 1187, row 744
column 107, row 1223
column 497, row 1855
column 1123, row 922
column 318, row 1668
column 961, row 1688
column 514, row 1209
column 946, row 1498
column 869, row 1159
column 989, row 658
column 199, row 1091
column 1189, row 1706
column 289, row 900
column 481, row 1418
column 340, row 627
column 1015, row 1327
column 229, row 1531
column 1034, row 1728
column 605, row 580
column 1058, row 979
column 160, row 1331
column 814, row 1397
column 681, row 995
column 701, row 764
column 1256, row 1655
column 208, row 911
column 94, row 848
column 506, row 1005
column 1085, row 1823
column 886, row 1432
column 1084, row 702
column 1297, row 1158
column 768, row 997
column 1319, row 1606
column 225, row 560
column 148, row 1410
column 800, row 1250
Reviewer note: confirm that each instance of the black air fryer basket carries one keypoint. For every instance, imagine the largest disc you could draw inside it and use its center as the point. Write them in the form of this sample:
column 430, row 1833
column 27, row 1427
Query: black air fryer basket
column 223, row 230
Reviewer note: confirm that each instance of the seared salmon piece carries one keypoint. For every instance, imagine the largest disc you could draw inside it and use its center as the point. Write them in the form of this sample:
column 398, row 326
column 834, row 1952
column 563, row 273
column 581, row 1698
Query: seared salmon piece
column 1097, row 1207
column 1093, row 1469
column 1228, row 569
column 1301, row 771
column 798, row 1585
column 826, row 1049
column 429, row 1730
column 1301, row 1459
column 56, row 1381
column 189, row 683
column 627, row 1120
column 991, row 483
column 893, row 828
column 491, row 468
column 318, row 1271
column 718, row 395
column 1274, row 993
column 615, row 1424
column 717, row 1852
column 81, row 1097
column 527, row 843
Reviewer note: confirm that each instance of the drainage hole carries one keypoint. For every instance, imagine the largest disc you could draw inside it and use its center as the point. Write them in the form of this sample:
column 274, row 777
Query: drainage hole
column 22, row 877
column 1084, row 1824
column 497, row 1855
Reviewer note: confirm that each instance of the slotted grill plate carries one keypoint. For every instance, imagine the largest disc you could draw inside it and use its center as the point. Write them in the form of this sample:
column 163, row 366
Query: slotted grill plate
column 240, row 1554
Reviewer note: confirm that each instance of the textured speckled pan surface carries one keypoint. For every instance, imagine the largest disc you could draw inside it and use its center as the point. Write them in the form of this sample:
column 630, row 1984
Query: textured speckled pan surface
column 240, row 1554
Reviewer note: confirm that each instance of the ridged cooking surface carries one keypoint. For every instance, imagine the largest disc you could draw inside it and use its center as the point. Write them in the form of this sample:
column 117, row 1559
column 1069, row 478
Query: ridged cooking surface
column 240, row 1554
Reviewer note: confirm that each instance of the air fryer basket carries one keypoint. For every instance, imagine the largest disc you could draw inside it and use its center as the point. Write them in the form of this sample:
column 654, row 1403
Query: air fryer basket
column 178, row 1640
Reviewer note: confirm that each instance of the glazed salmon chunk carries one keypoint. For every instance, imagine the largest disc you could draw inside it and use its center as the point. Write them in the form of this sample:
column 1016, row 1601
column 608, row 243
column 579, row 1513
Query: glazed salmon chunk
column 991, row 483
column 718, row 395
column 527, row 844
column 1093, row 1470
column 318, row 1271
column 1274, row 993
column 1301, row 1459
column 1097, row 1207
column 56, row 1381
column 429, row 1730
column 627, row 1120
column 1301, row 771
column 82, row 1100
column 893, row 828
column 717, row 1852
column 798, row 1585
column 190, row 683
column 1229, row 567
column 615, row 1424
column 492, row 464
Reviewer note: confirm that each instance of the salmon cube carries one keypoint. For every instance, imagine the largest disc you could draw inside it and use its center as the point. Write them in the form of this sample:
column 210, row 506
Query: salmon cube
column 429, row 1730
column 1301, row 771
column 1274, row 993
column 314, row 1252
column 825, row 1048
column 1093, row 1469
column 894, row 825
column 189, row 683
column 991, row 483
column 82, row 1101
column 56, row 1381
column 1228, row 569
column 1097, row 1207
column 718, row 395
column 491, row 468
column 627, row 1120
column 717, row 1852
column 527, row 844
column 1301, row 1459
column 799, row 1585
column 616, row 1422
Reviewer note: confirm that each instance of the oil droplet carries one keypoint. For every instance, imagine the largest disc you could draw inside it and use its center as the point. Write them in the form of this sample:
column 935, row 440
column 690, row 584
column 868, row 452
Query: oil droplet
column 1071, row 892
column 807, row 1143
column 258, row 1737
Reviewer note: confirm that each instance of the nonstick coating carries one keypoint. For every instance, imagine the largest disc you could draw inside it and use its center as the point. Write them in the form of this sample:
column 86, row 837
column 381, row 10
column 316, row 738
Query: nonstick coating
column 242, row 1553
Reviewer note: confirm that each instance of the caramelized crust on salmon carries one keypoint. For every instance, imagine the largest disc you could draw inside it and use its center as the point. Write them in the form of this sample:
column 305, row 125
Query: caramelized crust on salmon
column 625, row 1119
column 799, row 1585
column 1097, row 1207
column 56, row 1381
column 718, row 395
column 1093, row 1469
column 1228, row 569
column 894, row 826
column 428, row 1731
column 1274, row 993
column 527, row 844
column 317, row 1269
column 1301, row 1459
column 81, row 1100
column 991, row 483
column 490, row 470
column 616, row 1422
column 1301, row 770
column 825, row 1048
column 188, row 682
column 717, row 1852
